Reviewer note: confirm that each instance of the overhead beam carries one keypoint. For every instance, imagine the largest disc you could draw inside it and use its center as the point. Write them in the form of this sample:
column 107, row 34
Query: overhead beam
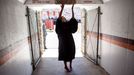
column 66, row 1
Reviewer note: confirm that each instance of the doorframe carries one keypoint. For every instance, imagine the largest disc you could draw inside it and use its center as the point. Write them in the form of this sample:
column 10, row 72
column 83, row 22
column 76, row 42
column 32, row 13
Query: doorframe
column 31, row 46
column 98, row 35
column 98, row 38
column 33, row 63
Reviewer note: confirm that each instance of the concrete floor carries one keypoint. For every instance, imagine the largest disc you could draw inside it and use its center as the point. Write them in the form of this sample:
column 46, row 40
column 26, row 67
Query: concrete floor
column 81, row 66
column 49, row 64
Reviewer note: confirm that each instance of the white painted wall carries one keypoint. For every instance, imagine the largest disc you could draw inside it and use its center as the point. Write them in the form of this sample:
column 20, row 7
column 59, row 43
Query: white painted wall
column 14, row 29
column 20, row 64
column 117, row 20
column 13, row 23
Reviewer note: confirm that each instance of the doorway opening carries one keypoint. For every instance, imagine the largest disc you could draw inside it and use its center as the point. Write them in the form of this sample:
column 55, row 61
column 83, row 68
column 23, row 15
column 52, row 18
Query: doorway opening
column 50, row 14
column 82, row 38
column 51, row 41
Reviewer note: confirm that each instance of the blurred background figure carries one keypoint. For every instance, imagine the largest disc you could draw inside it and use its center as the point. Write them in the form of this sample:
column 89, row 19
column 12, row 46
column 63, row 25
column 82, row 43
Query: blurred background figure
column 44, row 18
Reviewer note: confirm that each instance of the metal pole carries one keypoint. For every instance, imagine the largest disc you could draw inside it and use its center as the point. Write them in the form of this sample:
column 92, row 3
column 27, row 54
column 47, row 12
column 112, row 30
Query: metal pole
column 85, row 32
column 98, row 32
column 28, row 18
column 36, row 63
column 38, row 33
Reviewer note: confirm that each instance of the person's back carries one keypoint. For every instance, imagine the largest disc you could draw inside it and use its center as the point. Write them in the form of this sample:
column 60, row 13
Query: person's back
column 64, row 30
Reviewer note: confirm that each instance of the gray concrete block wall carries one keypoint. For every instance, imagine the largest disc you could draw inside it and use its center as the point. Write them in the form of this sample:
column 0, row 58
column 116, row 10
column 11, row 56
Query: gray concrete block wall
column 131, row 21
column 130, row 54
column 117, row 20
column 13, row 23
column 19, row 64
column 14, row 33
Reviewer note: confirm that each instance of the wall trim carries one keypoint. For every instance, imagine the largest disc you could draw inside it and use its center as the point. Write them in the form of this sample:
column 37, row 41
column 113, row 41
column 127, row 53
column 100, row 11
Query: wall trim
column 10, row 51
column 116, row 40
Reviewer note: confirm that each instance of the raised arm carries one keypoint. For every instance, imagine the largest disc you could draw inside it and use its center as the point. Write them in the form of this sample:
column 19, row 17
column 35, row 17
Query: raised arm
column 62, row 7
column 73, row 11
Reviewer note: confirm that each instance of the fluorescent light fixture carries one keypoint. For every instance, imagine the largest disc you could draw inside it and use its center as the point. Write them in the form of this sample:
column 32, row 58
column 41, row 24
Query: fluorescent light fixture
column 106, row 1
column 22, row 1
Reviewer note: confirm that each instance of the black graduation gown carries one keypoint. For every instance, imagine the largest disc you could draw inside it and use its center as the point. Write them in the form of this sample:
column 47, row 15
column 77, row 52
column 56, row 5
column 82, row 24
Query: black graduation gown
column 64, row 31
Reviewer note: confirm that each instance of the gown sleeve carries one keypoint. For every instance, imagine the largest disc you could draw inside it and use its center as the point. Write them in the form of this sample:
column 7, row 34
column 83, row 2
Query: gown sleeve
column 73, row 25
column 58, row 28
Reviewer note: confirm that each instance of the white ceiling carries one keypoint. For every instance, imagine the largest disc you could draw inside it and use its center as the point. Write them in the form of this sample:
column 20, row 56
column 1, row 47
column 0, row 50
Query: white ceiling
column 49, row 4
column 54, row 6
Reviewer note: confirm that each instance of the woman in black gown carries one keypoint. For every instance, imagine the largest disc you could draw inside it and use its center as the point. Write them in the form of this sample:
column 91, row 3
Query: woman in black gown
column 64, row 30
